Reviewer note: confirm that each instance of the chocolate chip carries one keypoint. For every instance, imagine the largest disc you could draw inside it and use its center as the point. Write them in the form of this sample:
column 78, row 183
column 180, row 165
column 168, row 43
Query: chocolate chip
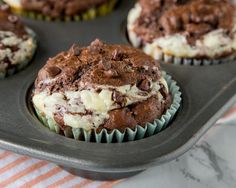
column 119, row 98
column 53, row 71
column 117, row 55
column 98, row 90
column 13, row 18
column 111, row 74
column 96, row 46
column 163, row 91
column 96, row 42
column 176, row 22
column 144, row 85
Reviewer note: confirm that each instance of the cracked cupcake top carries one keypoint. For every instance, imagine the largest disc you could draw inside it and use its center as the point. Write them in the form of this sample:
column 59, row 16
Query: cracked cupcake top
column 99, row 64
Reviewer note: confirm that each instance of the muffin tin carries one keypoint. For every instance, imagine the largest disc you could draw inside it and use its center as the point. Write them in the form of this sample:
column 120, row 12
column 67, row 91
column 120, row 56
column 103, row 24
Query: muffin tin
column 207, row 92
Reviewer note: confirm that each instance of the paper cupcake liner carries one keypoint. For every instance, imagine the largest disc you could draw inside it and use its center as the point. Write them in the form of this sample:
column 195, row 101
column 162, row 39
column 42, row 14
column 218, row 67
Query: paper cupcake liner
column 170, row 59
column 116, row 136
column 90, row 14
column 21, row 65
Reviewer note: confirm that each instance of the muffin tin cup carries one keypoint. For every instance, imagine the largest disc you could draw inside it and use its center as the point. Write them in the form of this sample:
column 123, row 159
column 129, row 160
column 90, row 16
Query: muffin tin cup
column 195, row 62
column 207, row 93
column 90, row 14
column 116, row 136
column 21, row 65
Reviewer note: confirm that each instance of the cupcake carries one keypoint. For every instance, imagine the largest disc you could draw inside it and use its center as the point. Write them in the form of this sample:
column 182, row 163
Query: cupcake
column 184, row 31
column 63, row 9
column 17, row 43
column 102, row 92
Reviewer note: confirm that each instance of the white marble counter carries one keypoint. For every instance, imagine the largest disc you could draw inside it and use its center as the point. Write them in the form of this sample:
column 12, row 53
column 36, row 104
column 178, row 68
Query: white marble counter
column 211, row 163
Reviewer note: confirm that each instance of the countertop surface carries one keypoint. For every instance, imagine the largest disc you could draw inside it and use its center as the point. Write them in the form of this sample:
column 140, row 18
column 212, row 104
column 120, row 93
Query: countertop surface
column 210, row 163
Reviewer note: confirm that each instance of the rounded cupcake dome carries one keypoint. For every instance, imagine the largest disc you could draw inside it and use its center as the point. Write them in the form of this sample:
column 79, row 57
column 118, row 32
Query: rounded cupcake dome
column 188, row 29
column 112, row 87
column 63, row 9
column 17, row 43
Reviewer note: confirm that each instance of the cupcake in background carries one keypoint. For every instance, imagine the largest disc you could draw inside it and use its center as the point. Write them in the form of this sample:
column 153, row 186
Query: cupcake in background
column 62, row 9
column 184, row 31
column 17, row 43
column 104, row 93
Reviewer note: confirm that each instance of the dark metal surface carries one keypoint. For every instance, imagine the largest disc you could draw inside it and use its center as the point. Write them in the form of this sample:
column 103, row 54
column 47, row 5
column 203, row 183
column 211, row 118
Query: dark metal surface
column 208, row 92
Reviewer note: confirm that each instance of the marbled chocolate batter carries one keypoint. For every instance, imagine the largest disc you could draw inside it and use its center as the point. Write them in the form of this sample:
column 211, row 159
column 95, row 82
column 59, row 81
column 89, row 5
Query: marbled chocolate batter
column 193, row 18
column 101, row 86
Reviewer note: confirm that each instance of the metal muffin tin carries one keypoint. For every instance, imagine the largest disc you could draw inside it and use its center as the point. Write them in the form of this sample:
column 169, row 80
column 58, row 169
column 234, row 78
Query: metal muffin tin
column 208, row 91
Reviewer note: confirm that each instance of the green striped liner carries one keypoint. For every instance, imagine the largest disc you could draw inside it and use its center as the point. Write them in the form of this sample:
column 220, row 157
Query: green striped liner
column 116, row 136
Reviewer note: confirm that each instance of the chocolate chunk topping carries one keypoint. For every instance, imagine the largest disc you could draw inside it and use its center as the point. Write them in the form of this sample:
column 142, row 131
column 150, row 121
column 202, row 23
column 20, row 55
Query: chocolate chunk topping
column 119, row 98
column 55, row 8
column 144, row 85
column 192, row 18
column 117, row 55
column 69, row 71
column 53, row 71
column 10, row 22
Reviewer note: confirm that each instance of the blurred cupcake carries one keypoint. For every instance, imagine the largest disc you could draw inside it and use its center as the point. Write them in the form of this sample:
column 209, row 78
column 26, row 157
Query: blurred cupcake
column 63, row 9
column 184, row 31
column 17, row 43
column 104, row 93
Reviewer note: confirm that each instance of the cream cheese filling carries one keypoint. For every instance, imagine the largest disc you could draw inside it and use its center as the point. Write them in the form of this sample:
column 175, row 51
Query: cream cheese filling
column 74, row 105
column 23, row 53
column 212, row 44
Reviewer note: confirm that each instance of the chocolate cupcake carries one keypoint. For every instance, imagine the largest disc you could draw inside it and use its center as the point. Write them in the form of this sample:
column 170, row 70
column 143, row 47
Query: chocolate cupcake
column 63, row 9
column 17, row 43
column 104, row 92
column 184, row 31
